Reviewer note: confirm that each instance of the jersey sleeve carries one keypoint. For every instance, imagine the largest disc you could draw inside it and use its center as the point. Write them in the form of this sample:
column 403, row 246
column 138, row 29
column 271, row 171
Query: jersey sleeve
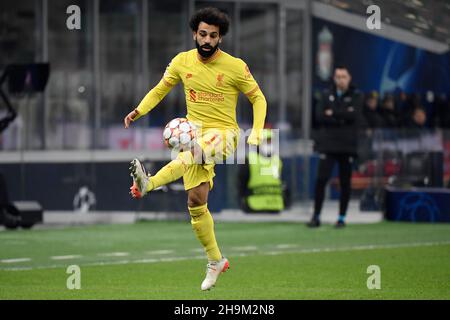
column 248, row 85
column 244, row 79
column 169, row 80
column 171, row 76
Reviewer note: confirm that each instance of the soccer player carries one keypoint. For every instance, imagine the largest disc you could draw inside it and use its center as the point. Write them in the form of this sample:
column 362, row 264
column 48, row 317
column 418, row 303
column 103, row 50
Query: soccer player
column 212, row 81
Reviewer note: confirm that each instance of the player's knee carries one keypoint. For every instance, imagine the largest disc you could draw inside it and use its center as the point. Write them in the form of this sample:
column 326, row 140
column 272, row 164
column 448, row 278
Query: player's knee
column 198, row 196
column 195, row 201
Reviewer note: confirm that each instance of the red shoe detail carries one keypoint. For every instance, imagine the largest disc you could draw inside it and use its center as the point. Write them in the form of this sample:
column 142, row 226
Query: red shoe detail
column 226, row 266
column 134, row 191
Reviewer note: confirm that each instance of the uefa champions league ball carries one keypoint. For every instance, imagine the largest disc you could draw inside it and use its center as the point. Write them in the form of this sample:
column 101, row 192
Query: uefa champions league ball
column 179, row 133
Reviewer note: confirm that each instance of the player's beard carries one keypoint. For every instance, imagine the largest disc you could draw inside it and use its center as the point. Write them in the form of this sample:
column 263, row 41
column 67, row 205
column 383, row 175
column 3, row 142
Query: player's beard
column 203, row 53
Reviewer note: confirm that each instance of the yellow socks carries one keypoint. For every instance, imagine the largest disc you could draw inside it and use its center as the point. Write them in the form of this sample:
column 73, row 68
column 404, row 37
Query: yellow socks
column 172, row 171
column 203, row 226
column 201, row 219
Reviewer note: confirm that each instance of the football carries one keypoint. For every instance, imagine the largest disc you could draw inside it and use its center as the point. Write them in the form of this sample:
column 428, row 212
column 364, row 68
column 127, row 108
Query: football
column 179, row 134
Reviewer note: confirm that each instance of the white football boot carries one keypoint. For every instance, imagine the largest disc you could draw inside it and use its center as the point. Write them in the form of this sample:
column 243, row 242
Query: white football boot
column 140, row 179
column 213, row 270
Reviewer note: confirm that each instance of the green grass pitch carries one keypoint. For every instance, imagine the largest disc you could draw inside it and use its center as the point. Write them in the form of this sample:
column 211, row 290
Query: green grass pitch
column 163, row 260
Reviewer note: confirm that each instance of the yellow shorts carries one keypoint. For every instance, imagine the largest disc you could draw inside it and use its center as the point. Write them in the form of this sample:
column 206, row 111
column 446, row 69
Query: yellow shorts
column 213, row 146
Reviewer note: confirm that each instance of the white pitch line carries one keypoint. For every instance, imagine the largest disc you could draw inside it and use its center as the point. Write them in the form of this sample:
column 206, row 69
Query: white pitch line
column 15, row 242
column 160, row 252
column 242, row 254
column 114, row 254
column 15, row 260
column 108, row 263
column 246, row 248
column 286, row 246
column 18, row 269
column 360, row 247
column 67, row 257
column 146, row 260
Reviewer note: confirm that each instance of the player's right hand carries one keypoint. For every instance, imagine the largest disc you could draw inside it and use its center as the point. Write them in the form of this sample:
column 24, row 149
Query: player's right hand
column 130, row 117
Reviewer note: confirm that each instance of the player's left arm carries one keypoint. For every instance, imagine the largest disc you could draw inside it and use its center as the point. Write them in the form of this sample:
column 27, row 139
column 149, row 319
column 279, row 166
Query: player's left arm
column 248, row 85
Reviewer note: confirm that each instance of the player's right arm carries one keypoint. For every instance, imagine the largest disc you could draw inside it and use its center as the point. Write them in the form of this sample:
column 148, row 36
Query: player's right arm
column 169, row 80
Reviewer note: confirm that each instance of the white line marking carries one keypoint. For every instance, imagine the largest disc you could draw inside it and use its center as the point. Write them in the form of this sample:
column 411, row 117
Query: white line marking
column 146, row 260
column 68, row 257
column 160, row 252
column 114, row 254
column 242, row 254
column 15, row 260
column 17, row 269
column 98, row 263
column 360, row 247
column 286, row 246
column 15, row 242
column 246, row 248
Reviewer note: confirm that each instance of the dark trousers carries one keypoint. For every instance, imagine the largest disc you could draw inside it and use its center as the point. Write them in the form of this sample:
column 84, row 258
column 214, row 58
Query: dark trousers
column 4, row 200
column 324, row 171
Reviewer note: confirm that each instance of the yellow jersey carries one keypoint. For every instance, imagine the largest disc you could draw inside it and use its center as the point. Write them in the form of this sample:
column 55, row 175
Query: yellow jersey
column 212, row 88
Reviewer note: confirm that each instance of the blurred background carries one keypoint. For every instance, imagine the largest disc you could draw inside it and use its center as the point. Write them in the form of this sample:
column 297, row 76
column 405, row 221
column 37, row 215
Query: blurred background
column 68, row 142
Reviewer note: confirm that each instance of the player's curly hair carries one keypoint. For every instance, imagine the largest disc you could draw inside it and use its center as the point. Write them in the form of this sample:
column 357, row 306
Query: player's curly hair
column 212, row 16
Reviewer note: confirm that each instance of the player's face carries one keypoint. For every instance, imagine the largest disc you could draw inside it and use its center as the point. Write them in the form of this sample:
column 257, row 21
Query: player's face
column 207, row 39
column 342, row 79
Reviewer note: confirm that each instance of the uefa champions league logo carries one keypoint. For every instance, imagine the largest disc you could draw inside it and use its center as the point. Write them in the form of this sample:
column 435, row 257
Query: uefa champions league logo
column 418, row 204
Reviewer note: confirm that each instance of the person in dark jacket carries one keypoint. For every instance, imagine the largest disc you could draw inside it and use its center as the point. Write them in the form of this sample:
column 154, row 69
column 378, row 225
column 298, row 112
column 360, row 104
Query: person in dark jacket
column 371, row 120
column 442, row 112
column 416, row 124
column 418, row 118
column 371, row 113
column 4, row 123
column 391, row 118
column 337, row 114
